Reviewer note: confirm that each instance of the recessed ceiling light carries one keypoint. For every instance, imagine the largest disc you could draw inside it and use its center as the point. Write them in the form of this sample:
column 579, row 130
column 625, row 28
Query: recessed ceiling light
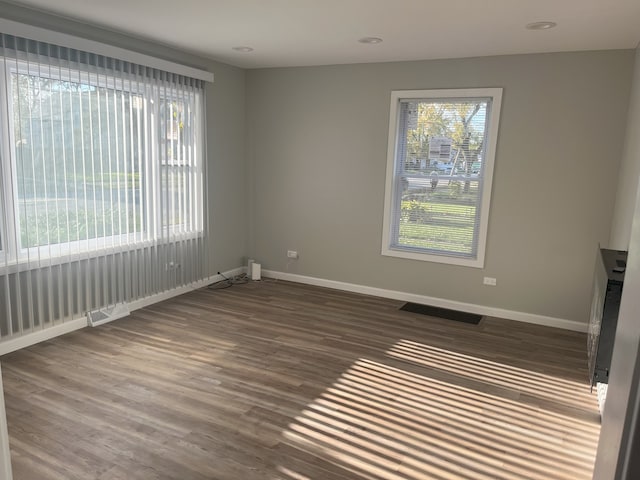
column 370, row 40
column 242, row 49
column 540, row 25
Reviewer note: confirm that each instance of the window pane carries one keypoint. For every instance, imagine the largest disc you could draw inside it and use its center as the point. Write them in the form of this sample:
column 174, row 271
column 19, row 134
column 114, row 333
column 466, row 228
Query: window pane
column 444, row 136
column 178, row 141
column 439, row 215
column 440, row 164
column 78, row 168
column 176, row 191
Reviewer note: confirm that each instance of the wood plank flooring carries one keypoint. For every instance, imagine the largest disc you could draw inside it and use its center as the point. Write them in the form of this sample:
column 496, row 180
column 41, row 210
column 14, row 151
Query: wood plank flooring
column 276, row 380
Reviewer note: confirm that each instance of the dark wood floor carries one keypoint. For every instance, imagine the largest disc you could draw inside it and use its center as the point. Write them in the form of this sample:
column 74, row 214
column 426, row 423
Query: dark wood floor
column 274, row 380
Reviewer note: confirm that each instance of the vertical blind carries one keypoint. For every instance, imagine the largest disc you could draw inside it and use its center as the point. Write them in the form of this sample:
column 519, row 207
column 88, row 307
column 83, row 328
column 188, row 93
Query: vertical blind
column 102, row 175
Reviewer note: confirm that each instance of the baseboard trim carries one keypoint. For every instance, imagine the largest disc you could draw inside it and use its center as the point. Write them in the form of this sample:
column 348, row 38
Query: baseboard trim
column 76, row 324
column 160, row 297
column 42, row 335
column 436, row 302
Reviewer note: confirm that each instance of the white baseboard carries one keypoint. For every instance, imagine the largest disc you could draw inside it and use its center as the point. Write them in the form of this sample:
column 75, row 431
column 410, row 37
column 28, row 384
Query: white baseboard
column 434, row 301
column 76, row 324
column 145, row 302
column 42, row 335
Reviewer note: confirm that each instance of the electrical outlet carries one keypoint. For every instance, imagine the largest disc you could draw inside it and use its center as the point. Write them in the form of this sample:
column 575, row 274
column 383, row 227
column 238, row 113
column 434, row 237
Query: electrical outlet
column 292, row 254
column 489, row 281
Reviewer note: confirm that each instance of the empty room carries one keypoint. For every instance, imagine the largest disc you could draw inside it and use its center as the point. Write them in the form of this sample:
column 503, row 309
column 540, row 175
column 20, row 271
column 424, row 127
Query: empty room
column 305, row 240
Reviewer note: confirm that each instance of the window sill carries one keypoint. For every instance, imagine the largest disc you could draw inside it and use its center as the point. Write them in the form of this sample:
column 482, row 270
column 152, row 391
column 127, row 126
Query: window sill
column 429, row 257
column 62, row 256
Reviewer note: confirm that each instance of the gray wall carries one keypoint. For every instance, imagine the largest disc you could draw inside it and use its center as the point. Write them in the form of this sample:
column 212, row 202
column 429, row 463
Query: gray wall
column 227, row 167
column 225, row 137
column 317, row 154
column 629, row 170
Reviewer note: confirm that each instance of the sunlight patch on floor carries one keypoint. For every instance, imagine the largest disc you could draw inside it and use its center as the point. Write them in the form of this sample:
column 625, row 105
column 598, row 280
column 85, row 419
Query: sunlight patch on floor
column 526, row 381
column 486, row 421
column 292, row 475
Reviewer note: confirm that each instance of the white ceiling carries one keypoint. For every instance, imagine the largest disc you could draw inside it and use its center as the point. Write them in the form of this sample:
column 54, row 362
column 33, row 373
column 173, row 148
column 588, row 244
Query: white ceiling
column 322, row 32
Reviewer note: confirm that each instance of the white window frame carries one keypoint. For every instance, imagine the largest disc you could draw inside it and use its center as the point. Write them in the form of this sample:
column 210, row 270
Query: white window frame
column 6, row 200
column 486, row 179
column 11, row 252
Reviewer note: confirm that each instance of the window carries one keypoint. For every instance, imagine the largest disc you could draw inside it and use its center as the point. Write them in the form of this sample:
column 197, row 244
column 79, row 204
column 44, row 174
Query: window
column 102, row 175
column 102, row 153
column 439, row 171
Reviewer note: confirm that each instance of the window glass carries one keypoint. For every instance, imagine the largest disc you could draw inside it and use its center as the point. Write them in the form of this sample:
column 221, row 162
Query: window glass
column 83, row 162
column 78, row 171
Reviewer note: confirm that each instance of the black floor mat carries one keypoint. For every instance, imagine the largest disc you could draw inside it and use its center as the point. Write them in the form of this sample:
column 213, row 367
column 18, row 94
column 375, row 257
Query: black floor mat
column 442, row 313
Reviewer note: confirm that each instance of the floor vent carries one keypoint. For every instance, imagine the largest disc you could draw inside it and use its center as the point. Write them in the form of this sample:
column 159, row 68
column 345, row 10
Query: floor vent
column 109, row 314
column 442, row 313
